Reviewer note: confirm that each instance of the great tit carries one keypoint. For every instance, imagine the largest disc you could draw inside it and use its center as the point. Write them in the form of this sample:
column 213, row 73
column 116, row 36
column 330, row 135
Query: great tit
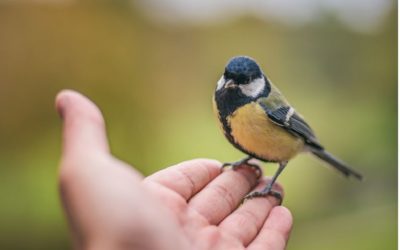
column 257, row 119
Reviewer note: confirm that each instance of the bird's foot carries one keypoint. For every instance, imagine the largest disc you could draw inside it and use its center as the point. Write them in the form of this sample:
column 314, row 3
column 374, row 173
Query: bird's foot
column 268, row 189
column 243, row 163
column 264, row 193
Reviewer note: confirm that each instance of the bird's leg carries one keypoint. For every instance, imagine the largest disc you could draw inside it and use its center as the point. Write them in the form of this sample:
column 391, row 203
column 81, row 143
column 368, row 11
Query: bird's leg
column 268, row 189
column 243, row 163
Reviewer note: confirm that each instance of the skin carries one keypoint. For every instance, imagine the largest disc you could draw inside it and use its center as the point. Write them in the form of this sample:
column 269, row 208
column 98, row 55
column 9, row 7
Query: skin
column 191, row 205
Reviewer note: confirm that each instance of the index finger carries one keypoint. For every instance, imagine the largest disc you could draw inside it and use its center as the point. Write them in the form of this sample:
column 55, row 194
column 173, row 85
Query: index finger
column 189, row 177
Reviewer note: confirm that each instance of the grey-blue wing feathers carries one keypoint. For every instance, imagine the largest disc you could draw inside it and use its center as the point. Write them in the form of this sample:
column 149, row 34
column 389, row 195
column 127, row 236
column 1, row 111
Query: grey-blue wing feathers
column 294, row 124
column 287, row 118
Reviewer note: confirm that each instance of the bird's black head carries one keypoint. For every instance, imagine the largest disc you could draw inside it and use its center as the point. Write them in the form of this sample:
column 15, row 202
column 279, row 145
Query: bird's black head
column 242, row 70
column 242, row 82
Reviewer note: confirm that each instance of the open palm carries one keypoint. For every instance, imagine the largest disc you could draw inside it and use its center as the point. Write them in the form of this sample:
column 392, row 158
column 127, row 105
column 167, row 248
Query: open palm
column 188, row 206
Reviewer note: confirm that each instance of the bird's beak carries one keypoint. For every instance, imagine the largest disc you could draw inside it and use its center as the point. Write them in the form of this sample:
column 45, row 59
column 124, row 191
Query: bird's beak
column 230, row 84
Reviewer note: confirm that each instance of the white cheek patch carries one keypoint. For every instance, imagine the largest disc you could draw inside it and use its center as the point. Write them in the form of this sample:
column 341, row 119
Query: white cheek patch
column 220, row 83
column 253, row 88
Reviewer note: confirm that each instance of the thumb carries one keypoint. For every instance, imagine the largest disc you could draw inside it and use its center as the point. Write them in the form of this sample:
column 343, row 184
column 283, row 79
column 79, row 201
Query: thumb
column 83, row 125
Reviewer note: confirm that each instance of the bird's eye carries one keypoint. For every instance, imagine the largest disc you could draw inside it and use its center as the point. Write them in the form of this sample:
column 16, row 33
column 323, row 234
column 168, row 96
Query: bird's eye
column 242, row 79
column 228, row 75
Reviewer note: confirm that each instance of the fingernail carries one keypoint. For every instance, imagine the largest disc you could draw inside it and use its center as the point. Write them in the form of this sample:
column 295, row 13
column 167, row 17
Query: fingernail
column 61, row 101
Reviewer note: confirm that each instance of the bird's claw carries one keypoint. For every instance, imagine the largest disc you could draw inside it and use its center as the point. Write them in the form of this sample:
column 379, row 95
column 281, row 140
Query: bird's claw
column 243, row 163
column 257, row 194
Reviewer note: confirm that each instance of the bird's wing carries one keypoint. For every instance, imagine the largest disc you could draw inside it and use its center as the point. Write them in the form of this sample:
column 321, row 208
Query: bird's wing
column 287, row 118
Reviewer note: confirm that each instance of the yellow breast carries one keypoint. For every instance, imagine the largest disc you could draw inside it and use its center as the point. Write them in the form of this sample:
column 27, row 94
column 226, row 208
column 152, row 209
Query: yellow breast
column 253, row 131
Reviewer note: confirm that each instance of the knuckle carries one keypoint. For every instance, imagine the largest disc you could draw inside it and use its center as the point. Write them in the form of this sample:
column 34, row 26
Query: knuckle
column 225, row 194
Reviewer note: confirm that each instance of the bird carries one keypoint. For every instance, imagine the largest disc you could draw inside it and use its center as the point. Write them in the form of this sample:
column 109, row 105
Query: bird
column 258, row 120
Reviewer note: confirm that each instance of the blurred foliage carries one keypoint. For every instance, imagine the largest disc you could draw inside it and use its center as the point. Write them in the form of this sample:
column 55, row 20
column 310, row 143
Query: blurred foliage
column 154, row 84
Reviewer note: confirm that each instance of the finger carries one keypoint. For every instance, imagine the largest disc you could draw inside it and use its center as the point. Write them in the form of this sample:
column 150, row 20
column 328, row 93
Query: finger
column 187, row 178
column 275, row 231
column 246, row 221
column 222, row 195
column 83, row 124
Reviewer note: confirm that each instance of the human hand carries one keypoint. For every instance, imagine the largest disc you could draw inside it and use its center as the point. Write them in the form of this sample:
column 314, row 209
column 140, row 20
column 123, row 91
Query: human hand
column 188, row 206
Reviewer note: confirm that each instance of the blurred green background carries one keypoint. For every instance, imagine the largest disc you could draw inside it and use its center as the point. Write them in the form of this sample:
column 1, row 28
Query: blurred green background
column 153, row 78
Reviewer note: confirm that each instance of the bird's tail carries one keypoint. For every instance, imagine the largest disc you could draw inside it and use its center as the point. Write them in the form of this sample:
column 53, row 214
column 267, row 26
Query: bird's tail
column 336, row 163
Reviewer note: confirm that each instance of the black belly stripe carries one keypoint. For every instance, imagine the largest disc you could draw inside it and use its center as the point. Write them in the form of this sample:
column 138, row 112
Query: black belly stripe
column 227, row 102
